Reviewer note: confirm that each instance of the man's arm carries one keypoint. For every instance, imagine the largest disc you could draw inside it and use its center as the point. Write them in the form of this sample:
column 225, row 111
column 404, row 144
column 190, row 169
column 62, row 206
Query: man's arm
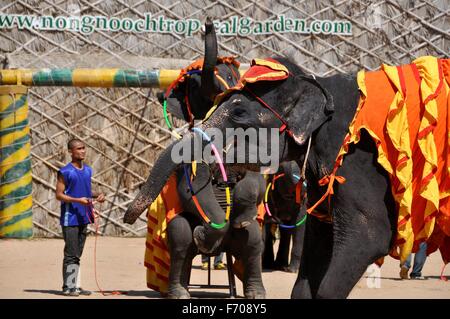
column 60, row 186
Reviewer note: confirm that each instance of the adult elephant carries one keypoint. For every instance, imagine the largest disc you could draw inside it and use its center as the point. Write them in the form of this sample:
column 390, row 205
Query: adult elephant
column 286, row 217
column 334, row 255
column 313, row 116
column 199, row 226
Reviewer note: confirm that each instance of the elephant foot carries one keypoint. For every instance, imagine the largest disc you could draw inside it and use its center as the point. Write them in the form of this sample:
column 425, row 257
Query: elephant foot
column 280, row 265
column 301, row 290
column 293, row 269
column 178, row 292
column 282, row 268
column 289, row 269
column 255, row 293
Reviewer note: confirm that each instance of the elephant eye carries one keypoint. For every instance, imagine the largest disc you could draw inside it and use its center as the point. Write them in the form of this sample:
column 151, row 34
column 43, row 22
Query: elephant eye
column 239, row 111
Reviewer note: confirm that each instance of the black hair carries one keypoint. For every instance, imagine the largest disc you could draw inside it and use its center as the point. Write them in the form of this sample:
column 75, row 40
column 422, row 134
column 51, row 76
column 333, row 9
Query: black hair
column 72, row 141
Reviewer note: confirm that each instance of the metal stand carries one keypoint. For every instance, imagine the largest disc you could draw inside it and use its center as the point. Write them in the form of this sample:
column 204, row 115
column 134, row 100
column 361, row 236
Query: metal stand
column 231, row 282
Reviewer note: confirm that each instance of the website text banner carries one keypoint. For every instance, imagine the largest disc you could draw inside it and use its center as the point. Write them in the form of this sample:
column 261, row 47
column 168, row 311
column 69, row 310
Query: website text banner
column 234, row 26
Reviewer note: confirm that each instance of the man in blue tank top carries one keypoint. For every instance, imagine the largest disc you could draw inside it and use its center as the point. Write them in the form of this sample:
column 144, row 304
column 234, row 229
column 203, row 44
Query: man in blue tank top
column 73, row 189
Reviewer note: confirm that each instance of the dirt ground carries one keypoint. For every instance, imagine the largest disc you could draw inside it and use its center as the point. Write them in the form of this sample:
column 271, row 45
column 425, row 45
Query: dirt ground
column 32, row 269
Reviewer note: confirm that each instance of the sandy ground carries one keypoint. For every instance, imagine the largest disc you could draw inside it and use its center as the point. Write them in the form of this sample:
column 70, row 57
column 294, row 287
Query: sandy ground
column 32, row 269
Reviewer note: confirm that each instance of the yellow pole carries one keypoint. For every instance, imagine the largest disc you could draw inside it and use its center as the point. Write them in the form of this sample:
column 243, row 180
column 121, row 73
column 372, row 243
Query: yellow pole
column 105, row 78
column 15, row 163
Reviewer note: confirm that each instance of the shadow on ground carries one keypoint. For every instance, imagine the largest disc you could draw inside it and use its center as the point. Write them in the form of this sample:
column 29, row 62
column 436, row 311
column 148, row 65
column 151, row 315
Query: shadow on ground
column 42, row 291
column 130, row 293
column 212, row 294
column 399, row 279
column 141, row 293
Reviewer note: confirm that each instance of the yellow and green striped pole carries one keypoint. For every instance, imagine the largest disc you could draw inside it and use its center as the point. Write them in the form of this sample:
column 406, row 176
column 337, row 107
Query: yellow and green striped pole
column 104, row 78
column 15, row 163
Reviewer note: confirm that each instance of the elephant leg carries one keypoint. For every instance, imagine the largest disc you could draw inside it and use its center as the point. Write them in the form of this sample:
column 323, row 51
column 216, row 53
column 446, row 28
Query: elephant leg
column 317, row 249
column 297, row 248
column 282, row 260
column 364, row 226
column 181, row 246
column 268, row 255
column 187, row 266
column 350, row 259
column 247, row 244
column 246, row 236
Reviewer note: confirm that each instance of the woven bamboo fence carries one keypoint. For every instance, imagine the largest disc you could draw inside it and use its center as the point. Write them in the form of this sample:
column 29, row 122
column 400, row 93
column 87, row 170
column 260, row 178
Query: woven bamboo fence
column 124, row 133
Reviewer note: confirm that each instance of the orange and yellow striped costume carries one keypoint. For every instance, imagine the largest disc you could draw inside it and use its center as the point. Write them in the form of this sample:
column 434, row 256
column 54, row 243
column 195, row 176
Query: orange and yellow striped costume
column 406, row 110
column 157, row 258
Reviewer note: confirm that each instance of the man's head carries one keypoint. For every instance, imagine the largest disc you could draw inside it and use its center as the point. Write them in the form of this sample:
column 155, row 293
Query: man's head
column 77, row 149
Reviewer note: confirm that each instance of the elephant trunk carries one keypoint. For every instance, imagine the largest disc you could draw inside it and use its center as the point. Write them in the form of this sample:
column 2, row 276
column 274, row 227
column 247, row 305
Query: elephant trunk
column 208, row 88
column 160, row 173
column 209, row 236
column 206, row 237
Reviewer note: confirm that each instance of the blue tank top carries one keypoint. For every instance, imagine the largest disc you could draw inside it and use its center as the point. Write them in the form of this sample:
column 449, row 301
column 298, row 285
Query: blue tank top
column 78, row 184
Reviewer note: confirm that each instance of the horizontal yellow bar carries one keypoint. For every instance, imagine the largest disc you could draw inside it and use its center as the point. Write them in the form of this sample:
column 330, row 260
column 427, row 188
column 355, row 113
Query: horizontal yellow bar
column 166, row 77
column 90, row 77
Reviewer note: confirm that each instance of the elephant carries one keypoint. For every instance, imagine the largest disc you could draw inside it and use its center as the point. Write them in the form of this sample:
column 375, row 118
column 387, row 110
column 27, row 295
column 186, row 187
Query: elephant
column 312, row 116
column 189, row 233
column 388, row 197
column 285, row 214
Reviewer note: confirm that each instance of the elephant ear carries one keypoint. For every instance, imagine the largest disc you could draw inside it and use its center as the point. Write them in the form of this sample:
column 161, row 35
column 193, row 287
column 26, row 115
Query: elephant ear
column 313, row 106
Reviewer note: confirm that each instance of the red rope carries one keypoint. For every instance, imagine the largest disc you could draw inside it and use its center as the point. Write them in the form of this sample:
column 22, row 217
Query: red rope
column 443, row 277
column 188, row 106
column 91, row 208
column 236, row 77
column 284, row 126
column 275, row 178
